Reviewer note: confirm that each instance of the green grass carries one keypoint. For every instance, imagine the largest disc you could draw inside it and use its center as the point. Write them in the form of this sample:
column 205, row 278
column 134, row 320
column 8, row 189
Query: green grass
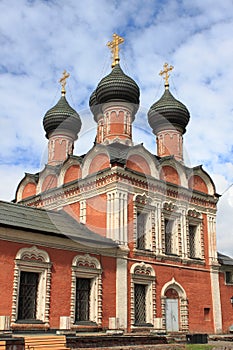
column 199, row 347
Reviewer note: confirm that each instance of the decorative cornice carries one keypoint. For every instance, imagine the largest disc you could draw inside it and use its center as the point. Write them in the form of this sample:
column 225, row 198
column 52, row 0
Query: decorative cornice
column 104, row 179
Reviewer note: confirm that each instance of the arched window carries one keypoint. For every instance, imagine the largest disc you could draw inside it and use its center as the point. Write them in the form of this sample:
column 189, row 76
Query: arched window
column 31, row 292
column 86, row 291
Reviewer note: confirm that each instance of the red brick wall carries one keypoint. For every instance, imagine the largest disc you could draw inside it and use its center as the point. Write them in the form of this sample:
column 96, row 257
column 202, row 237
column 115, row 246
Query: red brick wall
column 109, row 289
column 60, row 281
column 226, row 292
column 73, row 210
column 72, row 173
column 101, row 161
column 138, row 163
column 96, row 208
column 29, row 190
column 49, row 182
column 169, row 174
column 196, row 183
column 197, row 286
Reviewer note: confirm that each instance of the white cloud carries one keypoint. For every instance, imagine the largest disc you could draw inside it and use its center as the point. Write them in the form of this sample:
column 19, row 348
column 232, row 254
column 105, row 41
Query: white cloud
column 39, row 39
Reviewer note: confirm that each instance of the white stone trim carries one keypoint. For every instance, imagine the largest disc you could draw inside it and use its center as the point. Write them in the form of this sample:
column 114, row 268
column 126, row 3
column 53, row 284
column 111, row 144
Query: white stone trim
column 86, row 266
column 217, row 310
column 183, row 322
column 142, row 273
column 38, row 261
column 117, row 212
column 121, row 292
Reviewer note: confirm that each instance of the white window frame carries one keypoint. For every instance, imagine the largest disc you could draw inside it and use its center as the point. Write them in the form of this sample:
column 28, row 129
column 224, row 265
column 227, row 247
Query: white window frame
column 142, row 205
column 142, row 273
column 195, row 219
column 37, row 261
column 86, row 266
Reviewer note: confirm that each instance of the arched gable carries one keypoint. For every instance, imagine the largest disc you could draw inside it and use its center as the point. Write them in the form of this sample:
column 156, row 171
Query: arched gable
column 50, row 181
column 139, row 159
column 72, row 173
column 173, row 171
column 169, row 174
column 95, row 160
column 99, row 162
column 27, row 187
column 29, row 190
column 138, row 163
column 200, row 181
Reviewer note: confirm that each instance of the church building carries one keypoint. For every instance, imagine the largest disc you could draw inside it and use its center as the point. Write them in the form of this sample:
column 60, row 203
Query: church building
column 118, row 238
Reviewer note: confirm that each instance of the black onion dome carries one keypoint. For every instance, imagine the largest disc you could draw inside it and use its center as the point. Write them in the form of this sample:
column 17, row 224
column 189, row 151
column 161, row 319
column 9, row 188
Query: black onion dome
column 168, row 110
column 117, row 86
column 94, row 106
column 62, row 117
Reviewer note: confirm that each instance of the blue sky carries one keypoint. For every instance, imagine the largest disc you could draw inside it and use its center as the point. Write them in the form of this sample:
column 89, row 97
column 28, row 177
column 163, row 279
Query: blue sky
column 39, row 39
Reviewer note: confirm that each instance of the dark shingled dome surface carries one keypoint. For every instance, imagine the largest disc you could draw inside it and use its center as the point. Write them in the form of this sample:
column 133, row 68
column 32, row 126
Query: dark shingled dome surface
column 168, row 110
column 117, row 86
column 63, row 117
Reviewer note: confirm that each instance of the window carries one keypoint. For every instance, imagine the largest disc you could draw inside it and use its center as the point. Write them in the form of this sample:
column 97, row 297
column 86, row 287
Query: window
column 169, row 239
column 143, row 295
column 192, row 241
column 83, row 288
column 139, row 304
column 141, row 230
column 229, row 277
column 171, row 229
column 195, row 239
column 206, row 313
column 31, row 293
column 86, row 291
column 28, row 292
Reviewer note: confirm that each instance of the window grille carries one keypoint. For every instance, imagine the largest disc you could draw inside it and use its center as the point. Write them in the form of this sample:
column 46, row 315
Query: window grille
column 141, row 230
column 139, row 304
column 28, row 295
column 83, row 287
column 192, row 241
column 168, row 235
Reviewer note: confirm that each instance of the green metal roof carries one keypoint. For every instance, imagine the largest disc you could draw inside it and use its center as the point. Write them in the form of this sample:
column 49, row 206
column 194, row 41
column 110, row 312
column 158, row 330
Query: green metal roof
column 49, row 222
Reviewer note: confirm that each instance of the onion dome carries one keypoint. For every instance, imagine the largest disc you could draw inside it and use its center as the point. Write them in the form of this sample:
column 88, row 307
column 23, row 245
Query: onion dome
column 117, row 86
column 168, row 110
column 62, row 117
column 94, row 106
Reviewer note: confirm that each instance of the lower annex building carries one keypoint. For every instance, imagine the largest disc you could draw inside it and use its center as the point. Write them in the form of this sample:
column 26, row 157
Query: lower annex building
column 118, row 238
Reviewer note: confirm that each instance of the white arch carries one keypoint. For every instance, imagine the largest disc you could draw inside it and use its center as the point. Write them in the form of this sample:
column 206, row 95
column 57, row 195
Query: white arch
column 149, row 158
column 65, row 167
column 142, row 269
column 86, row 259
column 97, row 149
column 179, row 168
column 33, row 253
column 175, row 285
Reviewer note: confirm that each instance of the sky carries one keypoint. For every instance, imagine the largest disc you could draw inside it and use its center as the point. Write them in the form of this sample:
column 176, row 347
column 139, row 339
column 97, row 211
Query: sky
column 41, row 38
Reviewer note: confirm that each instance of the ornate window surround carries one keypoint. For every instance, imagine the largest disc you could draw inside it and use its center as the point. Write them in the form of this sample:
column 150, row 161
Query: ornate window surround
column 142, row 273
column 38, row 261
column 169, row 212
column 194, row 218
column 86, row 266
column 142, row 204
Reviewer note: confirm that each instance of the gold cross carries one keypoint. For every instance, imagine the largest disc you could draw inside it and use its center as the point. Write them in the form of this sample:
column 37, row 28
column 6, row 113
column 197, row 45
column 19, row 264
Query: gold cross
column 165, row 71
column 114, row 47
column 63, row 81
